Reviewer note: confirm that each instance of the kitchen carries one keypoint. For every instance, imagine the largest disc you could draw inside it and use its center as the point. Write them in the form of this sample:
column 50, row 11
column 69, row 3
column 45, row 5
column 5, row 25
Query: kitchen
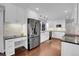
column 15, row 30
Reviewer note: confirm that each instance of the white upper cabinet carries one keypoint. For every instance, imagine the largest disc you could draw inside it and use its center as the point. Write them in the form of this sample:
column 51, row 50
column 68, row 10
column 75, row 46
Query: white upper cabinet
column 14, row 14
column 10, row 13
column 20, row 15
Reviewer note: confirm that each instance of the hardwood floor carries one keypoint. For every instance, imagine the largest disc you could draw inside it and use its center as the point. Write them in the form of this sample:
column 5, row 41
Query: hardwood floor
column 48, row 48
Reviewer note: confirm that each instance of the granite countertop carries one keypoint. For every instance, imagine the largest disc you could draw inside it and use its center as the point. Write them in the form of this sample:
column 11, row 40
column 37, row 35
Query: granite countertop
column 74, row 39
column 44, row 31
column 57, row 29
column 12, row 37
column 53, row 31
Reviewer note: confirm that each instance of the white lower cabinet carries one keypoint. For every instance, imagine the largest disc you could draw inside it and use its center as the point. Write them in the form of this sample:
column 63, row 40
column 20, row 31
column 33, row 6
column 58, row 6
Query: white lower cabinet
column 20, row 42
column 59, row 35
column 44, row 36
column 11, row 44
column 69, row 49
column 9, row 47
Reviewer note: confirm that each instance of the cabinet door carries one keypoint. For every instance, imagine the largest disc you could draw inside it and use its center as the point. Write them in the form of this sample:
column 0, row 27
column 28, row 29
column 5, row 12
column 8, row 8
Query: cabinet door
column 25, row 43
column 68, row 49
column 14, row 14
column 44, row 36
column 59, row 35
column 10, row 13
column 20, row 15
column 9, row 47
column 21, row 42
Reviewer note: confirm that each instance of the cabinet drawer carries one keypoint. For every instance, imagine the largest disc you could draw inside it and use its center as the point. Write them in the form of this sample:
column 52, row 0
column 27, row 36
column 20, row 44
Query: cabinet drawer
column 44, row 36
column 9, row 47
column 9, row 43
column 10, row 52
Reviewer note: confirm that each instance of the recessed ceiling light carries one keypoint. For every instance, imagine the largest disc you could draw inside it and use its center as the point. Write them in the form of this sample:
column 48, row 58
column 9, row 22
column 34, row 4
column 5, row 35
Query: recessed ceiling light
column 46, row 16
column 66, row 11
column 37, row 9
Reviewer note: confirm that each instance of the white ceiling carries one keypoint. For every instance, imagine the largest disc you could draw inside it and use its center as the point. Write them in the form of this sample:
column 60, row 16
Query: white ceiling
column 54, row 11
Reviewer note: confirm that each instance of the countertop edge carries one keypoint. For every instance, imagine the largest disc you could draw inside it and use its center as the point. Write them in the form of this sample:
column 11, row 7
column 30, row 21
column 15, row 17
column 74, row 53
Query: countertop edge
column 13, row 38
column 70, row 42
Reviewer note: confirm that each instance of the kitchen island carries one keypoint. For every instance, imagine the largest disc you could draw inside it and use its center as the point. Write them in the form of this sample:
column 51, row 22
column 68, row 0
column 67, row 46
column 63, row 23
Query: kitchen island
column 70, row 45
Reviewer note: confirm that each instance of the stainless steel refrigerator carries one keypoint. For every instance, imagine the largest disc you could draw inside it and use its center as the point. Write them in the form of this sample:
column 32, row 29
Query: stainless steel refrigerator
column 33, row 29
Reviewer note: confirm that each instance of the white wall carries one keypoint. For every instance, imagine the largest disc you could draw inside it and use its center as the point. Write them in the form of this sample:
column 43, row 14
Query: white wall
column 1, row 31
column 53, row 23
column 13, row 29
column 32, row 14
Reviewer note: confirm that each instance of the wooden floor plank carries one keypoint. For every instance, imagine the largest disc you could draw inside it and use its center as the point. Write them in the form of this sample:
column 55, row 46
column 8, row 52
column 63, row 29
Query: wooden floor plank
column 48, row 48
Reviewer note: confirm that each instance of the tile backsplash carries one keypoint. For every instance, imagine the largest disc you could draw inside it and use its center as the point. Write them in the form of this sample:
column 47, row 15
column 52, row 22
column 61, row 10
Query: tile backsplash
column 13, row 29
